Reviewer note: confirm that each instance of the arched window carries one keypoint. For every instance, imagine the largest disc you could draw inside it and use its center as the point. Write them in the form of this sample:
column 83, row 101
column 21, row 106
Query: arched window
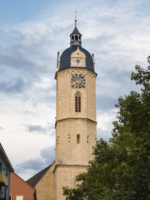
column 76, row 37
column 78, row 138
column 78, row 102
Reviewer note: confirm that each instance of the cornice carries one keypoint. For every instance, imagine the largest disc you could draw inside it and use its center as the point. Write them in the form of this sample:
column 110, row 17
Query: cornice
column 76, row 118
column 75, row 70
column 70, row 165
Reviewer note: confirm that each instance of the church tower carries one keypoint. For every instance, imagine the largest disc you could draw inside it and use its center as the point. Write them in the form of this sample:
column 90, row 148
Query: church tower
column 75, row 113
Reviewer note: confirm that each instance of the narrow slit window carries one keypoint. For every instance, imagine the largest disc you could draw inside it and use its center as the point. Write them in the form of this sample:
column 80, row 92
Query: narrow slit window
column 78, row 103
column 78, row 138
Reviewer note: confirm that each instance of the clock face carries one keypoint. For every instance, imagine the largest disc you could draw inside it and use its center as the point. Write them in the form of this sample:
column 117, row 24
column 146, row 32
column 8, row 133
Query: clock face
column 78, row 81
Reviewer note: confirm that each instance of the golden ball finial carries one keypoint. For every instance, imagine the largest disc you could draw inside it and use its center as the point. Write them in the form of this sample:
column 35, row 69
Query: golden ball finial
column 75, row 19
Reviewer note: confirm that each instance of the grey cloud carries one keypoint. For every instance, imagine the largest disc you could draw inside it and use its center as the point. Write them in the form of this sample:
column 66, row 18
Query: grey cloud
column 37, row 128
column 15, row 61
column 1, row 128
column 112, row 83
column 105, row 103
column 37, row 164
column 13, row 86
column 27, row 57
column 48, row 97
column 20, row 65
column 48, row 154
column 105, row 135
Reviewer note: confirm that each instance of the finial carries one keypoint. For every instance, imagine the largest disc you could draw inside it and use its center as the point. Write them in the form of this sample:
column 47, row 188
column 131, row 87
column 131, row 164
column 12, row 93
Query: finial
column 75, row 19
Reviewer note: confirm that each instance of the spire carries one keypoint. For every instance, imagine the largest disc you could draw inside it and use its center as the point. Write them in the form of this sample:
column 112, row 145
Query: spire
column 75, row 19
column 75, row 36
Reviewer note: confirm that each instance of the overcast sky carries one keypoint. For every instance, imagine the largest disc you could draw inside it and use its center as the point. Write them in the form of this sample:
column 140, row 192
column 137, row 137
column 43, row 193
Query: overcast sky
column 31, row 34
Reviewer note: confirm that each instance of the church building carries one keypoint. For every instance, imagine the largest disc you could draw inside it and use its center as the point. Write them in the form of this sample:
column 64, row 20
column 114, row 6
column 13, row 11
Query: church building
column 76, row 130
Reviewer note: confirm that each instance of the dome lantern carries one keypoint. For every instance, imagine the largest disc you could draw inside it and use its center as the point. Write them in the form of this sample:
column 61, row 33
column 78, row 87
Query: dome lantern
column 75, row 36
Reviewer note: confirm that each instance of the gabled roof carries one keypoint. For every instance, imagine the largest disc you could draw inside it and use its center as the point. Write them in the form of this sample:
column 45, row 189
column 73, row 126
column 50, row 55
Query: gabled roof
column 5, row 158
column 37, row 177
column 20, row 179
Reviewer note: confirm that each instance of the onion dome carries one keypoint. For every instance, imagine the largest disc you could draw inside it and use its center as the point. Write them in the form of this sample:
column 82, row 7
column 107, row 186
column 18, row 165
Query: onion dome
column 76, row 56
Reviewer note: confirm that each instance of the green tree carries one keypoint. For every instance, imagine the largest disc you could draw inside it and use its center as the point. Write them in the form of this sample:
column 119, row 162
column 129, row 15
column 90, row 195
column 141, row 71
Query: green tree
column 121, row 168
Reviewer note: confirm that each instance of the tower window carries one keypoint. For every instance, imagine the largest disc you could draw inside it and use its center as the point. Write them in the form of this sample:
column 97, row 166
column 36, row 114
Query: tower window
column 78, row 138
column 77, row 102
column 76, row 38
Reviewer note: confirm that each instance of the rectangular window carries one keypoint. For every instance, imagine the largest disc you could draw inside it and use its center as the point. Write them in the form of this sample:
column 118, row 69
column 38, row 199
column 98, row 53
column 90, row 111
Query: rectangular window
column 19, row 197
column 0, row 167
column 78, row 138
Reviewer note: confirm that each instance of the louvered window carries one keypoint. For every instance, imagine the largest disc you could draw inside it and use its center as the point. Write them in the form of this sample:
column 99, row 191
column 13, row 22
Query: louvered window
column 78, row 102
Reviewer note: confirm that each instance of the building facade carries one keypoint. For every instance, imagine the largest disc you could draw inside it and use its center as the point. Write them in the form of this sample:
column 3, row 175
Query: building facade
column 20, row 190
column 5, row 169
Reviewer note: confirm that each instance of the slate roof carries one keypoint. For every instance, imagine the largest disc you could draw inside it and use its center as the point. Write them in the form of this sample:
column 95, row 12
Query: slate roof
column 75, row 31
column 5, row 158
column 65, row 60
column 37, row 177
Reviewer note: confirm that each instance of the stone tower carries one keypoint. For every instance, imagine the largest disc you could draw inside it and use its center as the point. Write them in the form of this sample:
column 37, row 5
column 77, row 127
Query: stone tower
column 75, row 113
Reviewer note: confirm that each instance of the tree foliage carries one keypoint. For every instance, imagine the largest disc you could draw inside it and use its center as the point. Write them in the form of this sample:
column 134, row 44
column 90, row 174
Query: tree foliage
column 121, row 168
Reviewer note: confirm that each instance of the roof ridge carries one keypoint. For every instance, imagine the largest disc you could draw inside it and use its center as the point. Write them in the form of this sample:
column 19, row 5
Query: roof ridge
column 22, row 179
